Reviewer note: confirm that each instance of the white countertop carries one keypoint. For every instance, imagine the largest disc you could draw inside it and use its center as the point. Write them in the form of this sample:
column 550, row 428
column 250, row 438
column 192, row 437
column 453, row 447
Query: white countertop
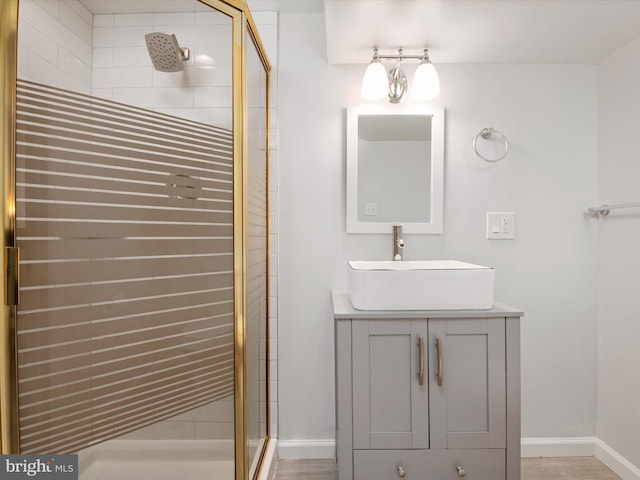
column 342, row 309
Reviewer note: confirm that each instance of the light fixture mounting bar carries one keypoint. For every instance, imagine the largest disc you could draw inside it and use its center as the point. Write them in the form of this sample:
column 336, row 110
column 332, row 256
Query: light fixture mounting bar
column 401, row 56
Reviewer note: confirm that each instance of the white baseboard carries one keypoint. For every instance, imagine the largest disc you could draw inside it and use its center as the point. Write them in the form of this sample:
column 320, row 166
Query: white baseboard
column 581, row 447
column 616, row 462
column 558, row 447
column 299, row 449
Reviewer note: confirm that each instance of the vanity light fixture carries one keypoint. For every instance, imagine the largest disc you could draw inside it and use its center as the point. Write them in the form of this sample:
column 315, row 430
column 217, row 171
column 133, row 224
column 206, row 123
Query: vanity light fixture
column 377, row 83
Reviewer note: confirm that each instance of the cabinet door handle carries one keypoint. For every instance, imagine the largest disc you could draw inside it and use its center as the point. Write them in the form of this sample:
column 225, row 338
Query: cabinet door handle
column 439, row 354
column 420, row 361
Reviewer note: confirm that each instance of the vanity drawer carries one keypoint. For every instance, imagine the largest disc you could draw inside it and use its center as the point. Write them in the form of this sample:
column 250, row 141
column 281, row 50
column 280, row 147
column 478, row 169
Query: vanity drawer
column 429, row 464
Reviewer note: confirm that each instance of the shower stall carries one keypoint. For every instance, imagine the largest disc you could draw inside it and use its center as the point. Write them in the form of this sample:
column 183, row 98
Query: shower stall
column 134, row 148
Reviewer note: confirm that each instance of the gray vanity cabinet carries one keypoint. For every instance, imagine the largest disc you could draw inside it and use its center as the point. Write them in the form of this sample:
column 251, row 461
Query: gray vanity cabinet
column 427, row 395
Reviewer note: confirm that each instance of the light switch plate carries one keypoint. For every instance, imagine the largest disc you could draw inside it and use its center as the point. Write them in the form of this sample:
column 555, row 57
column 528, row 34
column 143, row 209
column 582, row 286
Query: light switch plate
column 500, row 226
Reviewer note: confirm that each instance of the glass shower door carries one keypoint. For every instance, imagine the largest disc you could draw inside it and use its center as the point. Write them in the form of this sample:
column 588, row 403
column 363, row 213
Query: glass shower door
column 124, row 219
column 141, row 208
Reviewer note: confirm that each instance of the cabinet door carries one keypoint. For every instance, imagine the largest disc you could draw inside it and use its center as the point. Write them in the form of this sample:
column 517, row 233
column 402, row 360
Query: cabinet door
column 390, row 406
column 468, row 408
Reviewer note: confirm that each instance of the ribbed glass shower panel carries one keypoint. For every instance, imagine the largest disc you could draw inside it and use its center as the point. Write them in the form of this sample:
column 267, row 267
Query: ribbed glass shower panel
column 125, row 228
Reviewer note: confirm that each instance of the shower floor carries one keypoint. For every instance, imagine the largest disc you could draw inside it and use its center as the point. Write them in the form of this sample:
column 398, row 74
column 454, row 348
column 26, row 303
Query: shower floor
column 158, row 460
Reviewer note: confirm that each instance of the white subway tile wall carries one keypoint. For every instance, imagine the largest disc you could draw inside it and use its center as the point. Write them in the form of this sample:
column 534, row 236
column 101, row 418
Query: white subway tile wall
column 210, row 422
column 123, row 71
column 65, row 45
column 272, row 51
column 267, row 24
column 54, row 39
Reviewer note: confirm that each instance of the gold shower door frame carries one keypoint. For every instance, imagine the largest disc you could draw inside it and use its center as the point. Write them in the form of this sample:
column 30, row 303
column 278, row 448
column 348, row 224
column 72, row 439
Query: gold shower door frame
column 243, row 28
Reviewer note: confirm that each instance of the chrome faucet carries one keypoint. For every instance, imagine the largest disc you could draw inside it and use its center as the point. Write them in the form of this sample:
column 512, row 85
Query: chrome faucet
column 398, row 242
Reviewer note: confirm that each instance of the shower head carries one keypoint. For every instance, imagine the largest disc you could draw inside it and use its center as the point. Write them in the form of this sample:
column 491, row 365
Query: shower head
column 165, row 52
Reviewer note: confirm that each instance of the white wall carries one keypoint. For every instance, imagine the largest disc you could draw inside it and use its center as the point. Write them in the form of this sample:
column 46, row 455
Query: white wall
column 548, row 180
column 619, row 255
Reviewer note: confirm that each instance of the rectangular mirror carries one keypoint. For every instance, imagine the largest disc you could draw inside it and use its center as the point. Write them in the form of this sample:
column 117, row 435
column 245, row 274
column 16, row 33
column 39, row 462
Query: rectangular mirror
column 395, row 162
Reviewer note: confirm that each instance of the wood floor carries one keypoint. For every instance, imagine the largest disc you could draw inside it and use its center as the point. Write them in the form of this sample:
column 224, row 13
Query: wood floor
column 566, row 468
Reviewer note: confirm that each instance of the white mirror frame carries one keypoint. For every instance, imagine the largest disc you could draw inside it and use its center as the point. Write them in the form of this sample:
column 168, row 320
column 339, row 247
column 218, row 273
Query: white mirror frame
column 434, row 226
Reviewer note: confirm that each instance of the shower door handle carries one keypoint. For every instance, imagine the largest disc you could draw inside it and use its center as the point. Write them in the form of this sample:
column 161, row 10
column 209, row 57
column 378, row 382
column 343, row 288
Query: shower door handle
column 12, row 262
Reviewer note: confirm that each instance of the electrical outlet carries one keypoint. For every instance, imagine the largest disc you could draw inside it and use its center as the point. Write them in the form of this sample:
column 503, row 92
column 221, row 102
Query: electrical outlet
column 500, row 226
column 506, row 226
column 371, row 209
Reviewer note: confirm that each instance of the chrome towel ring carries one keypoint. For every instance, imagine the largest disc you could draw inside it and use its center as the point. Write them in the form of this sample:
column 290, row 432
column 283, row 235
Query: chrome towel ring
column 485, row 133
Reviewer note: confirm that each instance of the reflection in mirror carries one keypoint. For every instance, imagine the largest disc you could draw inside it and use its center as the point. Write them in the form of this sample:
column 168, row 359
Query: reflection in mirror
column 394, row 168
column 394, row 150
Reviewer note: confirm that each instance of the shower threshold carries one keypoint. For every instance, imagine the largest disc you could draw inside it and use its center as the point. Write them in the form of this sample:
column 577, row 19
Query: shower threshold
column 158, row 460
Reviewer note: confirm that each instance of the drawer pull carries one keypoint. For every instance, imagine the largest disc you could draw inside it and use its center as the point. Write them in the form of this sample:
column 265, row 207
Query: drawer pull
column 401, row 471
column 461, row 472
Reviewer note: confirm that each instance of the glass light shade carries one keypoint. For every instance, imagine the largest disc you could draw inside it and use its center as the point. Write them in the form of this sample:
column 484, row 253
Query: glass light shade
column 425, row 85
column 375, row 83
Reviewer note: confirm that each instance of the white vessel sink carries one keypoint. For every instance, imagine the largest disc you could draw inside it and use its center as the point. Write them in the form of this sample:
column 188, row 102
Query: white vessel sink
column 420, row 285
